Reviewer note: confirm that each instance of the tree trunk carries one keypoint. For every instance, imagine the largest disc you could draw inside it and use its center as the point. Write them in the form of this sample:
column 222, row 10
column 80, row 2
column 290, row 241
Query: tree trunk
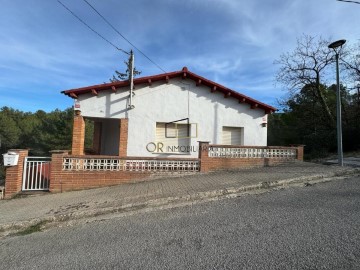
column 330, row 116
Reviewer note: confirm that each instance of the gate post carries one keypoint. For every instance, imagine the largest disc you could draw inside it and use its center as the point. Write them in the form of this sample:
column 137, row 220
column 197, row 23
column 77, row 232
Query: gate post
column 14, row 174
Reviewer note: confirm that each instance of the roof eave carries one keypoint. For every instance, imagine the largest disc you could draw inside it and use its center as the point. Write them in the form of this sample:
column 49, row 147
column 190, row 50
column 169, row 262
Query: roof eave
column 184, row 73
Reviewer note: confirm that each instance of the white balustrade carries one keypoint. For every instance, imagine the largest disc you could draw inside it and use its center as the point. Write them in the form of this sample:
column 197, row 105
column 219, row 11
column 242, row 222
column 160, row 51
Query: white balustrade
column 113, row 164
column 244, row 152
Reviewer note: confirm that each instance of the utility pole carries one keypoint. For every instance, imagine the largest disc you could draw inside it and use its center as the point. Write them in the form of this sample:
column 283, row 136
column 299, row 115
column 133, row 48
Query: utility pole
column 131, row 106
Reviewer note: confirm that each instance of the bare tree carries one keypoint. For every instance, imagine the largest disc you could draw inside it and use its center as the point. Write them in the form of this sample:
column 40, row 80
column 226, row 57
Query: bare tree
column 351, row 62
column 306, row 66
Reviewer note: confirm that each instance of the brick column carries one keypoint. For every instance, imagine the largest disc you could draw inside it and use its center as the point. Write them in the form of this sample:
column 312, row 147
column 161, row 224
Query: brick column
column 123, row 137
column 14, row 174
column 204, row 156
column 300, row 152
column 78, row 138
column 97, row 137
column 56, row 172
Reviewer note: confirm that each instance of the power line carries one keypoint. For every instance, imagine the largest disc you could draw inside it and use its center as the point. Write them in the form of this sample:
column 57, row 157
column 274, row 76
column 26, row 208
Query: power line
column 88, row 26
column 348, row 1
column 128, row 41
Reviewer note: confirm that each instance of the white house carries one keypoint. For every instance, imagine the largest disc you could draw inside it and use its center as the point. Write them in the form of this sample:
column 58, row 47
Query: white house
column 166, row 116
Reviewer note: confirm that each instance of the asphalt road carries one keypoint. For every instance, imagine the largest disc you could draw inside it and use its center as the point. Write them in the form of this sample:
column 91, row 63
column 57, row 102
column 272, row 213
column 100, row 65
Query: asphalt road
column 315, row 227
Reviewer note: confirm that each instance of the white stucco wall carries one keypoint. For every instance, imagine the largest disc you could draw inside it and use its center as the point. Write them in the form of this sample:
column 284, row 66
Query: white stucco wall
column 176, row 100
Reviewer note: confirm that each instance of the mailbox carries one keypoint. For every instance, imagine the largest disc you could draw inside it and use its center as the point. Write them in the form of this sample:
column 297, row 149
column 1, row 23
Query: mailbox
column 11, row 159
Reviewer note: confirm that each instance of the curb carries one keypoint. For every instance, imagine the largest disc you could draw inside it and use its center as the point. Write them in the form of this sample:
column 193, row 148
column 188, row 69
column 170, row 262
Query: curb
column 177, row 201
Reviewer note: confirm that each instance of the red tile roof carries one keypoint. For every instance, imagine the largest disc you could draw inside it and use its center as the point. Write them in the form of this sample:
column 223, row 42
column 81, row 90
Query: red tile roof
column 185, row 74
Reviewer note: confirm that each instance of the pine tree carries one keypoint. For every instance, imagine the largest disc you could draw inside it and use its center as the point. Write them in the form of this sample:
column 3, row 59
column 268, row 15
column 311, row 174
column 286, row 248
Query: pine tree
column 119, row 76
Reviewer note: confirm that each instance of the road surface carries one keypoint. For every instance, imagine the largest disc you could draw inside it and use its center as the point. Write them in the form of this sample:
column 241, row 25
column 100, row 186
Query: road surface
column 314, row 227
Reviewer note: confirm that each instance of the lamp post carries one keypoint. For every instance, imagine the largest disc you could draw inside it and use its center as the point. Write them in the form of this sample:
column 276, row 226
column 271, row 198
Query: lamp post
column 335, row 45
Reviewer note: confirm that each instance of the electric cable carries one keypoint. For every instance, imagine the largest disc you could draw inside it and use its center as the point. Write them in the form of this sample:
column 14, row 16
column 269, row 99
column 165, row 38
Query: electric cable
column 127, row 40
column 349, row 1
column 97, row 33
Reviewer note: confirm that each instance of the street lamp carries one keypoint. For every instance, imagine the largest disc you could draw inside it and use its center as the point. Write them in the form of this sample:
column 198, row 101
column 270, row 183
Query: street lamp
column 335, row 45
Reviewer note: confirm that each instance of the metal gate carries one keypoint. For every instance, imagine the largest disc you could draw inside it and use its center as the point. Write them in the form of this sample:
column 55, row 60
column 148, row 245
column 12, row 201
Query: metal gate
column 36, row 175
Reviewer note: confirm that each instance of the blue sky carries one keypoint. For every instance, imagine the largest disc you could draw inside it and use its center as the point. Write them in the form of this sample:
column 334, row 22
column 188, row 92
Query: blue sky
column 45, row 50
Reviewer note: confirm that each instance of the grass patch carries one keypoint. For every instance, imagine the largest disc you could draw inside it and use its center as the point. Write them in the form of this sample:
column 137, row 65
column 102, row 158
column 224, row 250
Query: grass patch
column 31, row 229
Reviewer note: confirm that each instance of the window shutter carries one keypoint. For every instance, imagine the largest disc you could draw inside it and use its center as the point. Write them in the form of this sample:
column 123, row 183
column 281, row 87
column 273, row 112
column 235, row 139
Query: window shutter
column 183, row 134
column 178, row 137
column 231, row 135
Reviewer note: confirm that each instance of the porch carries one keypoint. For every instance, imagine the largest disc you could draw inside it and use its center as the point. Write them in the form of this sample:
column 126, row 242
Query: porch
column 109, row 136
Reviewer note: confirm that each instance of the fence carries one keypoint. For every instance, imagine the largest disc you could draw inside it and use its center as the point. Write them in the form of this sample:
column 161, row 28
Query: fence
column 217, row 157
column 252, row 152
column 130, row 165
column 70, row 172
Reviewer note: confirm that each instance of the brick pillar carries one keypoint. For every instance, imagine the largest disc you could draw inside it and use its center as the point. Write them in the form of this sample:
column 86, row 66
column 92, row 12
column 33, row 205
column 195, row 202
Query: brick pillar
column 14, row 174
column 300, row 152
column 97, row 137
column 204, row 156
column 123, row 137
column 78, row 138
column 56, row 172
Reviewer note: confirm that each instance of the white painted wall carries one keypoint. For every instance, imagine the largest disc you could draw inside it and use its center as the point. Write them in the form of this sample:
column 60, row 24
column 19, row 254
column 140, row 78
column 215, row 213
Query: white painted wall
column 179, row 99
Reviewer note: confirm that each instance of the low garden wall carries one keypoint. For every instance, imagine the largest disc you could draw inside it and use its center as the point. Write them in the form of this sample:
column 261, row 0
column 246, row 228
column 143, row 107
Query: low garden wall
column 76, row 172
column 220, row 157
column 70, row 172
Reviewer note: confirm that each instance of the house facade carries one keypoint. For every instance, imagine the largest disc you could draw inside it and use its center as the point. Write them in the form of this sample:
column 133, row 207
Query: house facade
column 166, row 116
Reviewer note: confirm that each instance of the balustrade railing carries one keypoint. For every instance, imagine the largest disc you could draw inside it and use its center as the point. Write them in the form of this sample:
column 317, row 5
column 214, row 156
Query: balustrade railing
column 138, row 165
column 249, row 152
